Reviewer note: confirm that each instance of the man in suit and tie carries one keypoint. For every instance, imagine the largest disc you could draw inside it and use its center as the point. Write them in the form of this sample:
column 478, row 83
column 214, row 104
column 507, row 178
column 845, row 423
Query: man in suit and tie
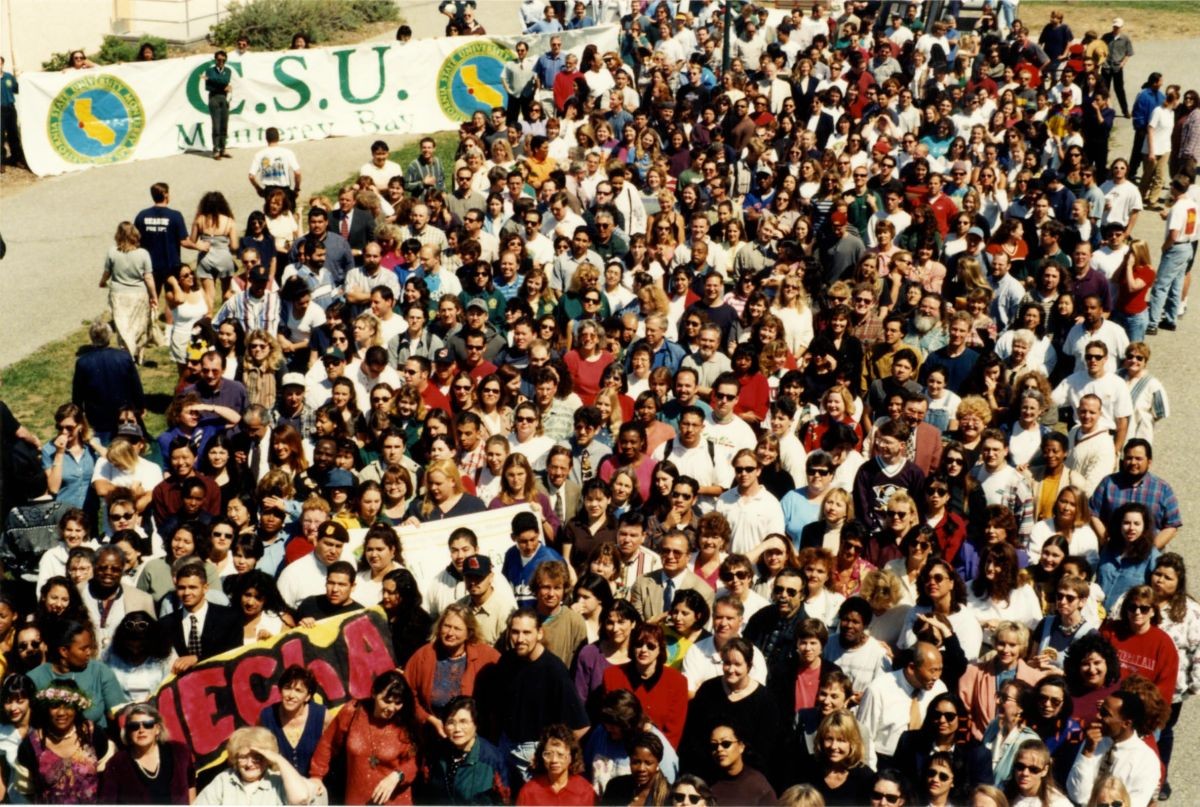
column 352, row 223
column 653, row 593
column 559, row 488
column 199, row 629
column 926, row 438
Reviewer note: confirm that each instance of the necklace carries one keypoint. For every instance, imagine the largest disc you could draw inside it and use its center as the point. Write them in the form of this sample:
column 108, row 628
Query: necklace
column 146, row 771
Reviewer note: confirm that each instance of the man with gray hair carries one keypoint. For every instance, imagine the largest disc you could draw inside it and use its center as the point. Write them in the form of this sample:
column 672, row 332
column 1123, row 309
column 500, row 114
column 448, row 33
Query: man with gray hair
column 105, row 380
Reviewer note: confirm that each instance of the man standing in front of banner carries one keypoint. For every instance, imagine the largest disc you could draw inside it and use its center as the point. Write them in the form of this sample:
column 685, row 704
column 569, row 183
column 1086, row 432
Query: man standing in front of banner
column 217, row 79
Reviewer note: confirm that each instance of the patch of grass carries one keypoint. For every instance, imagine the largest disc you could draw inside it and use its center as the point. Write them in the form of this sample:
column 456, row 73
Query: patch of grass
column 41, row 382
column 38, row 384
column 447, row 144
column 1145, row 19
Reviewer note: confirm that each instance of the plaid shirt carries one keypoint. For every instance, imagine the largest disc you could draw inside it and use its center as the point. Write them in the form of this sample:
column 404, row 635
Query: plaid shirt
column 1118, row 489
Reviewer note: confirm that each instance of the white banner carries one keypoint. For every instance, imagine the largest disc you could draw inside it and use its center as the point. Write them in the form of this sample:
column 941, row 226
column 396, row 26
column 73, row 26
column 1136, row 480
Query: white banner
column 138, row 111
column 425, row 547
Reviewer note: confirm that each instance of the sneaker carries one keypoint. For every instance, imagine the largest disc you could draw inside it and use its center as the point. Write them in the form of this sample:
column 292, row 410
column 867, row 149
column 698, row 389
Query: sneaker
column 1152, row 330
column 1182, row 309
column 1166, row 326
column 1164, row 792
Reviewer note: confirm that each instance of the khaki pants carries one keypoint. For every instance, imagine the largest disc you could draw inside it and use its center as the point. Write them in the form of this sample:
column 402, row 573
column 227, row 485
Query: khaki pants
column 1152, row 178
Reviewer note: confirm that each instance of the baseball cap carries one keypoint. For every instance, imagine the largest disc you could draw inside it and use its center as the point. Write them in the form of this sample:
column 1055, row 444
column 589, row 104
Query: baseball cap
column 333, row 354
column 293, row 380
column 259, row 273
column 443, row 356
column 478, row 302
column 131, row 430
column 976, row 232
column 477, row 566
column 839, row 217
column 339, row 478
column 1118, row 22
column 332, row 529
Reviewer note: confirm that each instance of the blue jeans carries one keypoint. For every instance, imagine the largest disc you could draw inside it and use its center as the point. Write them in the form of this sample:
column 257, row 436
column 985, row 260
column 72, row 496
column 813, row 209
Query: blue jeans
column 1134, row 324
column 519, row 756
column 1167, row 294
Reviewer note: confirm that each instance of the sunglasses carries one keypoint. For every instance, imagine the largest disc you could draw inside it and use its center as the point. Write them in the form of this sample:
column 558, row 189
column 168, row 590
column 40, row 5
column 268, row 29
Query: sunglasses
column 526, row 420
column 819, row 472
column 889, row 798
column 695, row 798
column 136, row 725
column 791, row 592
column 1142, row 609
column 724, row 396
column 1021, row 767
column 745, row 469
column 739, row 575
column 648, row 645
column 941, row 776
column 945, row 717
column 724, row 745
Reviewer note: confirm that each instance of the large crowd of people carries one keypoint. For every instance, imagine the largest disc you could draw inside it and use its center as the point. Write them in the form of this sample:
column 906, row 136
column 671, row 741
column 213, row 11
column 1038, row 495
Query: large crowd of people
column 822, row 380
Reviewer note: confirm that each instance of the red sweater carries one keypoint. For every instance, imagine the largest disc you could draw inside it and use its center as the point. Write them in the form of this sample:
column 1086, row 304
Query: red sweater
column 755, row 395
column 1151, row 654
column 665, row 703
column 422, row 668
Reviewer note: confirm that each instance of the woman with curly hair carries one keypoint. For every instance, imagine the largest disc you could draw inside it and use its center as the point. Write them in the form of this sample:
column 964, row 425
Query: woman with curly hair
column 1093, row 672
column 1001, row 591
column 557, row 771
column 261, row 369
column 63, row 751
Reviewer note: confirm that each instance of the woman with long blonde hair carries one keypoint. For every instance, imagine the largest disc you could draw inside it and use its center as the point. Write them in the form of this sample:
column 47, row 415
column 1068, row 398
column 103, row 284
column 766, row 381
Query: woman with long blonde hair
column 260, row 369
column 132, row 296
column 444, row 496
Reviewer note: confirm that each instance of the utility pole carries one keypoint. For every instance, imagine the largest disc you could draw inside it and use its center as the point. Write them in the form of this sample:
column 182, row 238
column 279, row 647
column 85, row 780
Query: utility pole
column 725, row 36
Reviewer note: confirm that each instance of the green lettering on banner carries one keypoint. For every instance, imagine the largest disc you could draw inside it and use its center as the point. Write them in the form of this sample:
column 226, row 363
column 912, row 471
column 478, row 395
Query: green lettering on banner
column 195, row 83
column 343, row 57
column 292, row 83
column 191, row 141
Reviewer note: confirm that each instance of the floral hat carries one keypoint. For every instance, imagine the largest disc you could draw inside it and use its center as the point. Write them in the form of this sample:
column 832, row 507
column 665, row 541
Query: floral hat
column 66, row 692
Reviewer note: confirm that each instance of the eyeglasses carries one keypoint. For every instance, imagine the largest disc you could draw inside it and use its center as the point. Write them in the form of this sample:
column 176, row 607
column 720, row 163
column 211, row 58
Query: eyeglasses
column 897, row 514
column 136, row 725
column 1050, row 699
column 692, row 798
column 223, row 534
column 725, row 396
column 938, row 492
column 945, row 717
column 1021, row 767
column 724, row 745
column 740, row 574
column 941, row 776
column 487, row 390
column 791, row 592
column 526, row 419
column 938, row 578
column 819, row 472
column 889, row 798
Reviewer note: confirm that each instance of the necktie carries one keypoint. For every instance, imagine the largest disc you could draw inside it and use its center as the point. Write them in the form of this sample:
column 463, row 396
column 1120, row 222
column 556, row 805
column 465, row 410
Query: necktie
column 345, row 228
column 558, row 506
column 668, row 594
column 194, row 637
column 1106, row 763
column 914, row 711
column 585, row 465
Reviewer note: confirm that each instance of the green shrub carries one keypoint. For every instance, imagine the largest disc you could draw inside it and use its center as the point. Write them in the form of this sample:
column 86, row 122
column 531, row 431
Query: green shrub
column 113, row 50
column 270, row 24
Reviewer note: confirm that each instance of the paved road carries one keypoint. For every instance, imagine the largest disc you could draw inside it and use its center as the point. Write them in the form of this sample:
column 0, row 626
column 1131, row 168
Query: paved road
column 58, row 230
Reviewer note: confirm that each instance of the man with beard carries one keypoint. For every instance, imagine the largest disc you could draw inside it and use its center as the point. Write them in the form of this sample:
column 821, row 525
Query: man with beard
column 108, row 596
column 1135, row 483
column 527, row 690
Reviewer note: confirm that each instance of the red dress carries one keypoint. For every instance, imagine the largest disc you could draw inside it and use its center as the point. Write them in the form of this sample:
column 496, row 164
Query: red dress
column 371, row 753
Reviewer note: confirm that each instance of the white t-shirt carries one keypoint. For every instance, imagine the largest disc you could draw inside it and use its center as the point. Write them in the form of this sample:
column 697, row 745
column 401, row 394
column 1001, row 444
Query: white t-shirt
column 275, row 166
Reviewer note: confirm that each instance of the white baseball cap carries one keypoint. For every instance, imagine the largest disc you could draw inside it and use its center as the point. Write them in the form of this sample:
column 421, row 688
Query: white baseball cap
column 1118, row 22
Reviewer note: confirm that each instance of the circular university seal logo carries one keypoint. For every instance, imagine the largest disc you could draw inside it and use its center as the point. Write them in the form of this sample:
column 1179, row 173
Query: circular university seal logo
column 97, row 119
column 469, row 80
